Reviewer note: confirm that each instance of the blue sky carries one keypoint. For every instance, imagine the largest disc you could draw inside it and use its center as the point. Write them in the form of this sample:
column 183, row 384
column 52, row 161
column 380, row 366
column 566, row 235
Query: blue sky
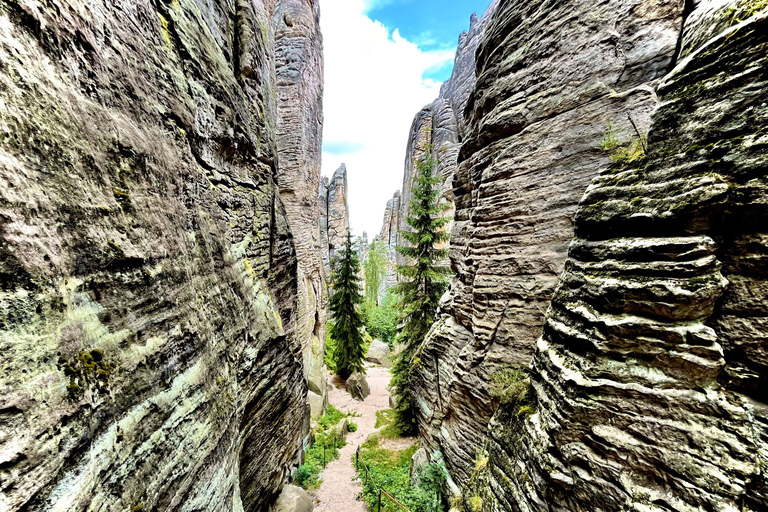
column 431, row 24
column 384, row 61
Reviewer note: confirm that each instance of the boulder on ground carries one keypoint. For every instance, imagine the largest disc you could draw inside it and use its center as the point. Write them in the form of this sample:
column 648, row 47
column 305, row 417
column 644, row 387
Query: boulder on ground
column 419, row 462
column 294, row 499
column 357, row 386
column 317, row 404
column 379, row 353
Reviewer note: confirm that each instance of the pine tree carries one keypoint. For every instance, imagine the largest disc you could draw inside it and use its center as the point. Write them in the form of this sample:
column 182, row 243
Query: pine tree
column 424, row 282
column 347, row 320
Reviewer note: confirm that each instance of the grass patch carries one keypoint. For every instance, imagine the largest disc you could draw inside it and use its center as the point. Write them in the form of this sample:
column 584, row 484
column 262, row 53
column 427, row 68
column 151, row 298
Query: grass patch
column 391, row 471
column 386, row 419
column 325, row 448
column 623, row 153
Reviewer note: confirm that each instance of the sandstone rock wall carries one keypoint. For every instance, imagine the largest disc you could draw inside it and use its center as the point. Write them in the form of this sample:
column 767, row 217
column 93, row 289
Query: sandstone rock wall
column 650, row 377
column 150, row 350
column 389, row 237
column 550, row 79
column 334, row 214
column 299, row 74
column 438, row 128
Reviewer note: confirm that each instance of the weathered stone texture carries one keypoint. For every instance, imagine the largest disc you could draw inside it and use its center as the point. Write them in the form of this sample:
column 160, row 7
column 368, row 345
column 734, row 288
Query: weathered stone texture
column 299, row 73
column 334, row 214
column 650, row 376
column 149, row 349
column 550, row 78
column 389, row 236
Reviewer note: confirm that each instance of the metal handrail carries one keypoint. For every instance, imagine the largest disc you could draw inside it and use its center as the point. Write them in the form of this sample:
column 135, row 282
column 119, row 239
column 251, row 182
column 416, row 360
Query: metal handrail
column 367, row 476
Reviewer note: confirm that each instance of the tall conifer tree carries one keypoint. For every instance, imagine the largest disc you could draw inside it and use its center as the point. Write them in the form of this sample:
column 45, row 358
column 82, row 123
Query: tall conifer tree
column 424, row 282
column 344, row 305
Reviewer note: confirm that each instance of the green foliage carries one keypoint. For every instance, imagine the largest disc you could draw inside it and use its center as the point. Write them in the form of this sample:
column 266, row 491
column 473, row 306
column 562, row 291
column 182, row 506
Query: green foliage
column 326, row 436
column 386, row 420
column 329, row 357
column 346, row 329
column 744, row 10
column 375, row 269
column 381, row 319
column 391, row 471
column 513, row 388
column 88, row 371
column 424, row 281
column 352, row 426
column 475, row 504
column 623, row 153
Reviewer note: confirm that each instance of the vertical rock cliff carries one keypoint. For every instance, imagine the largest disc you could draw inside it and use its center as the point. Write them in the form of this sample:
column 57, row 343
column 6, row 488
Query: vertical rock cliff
column 334, row 214
column 150, row 345
column 649, row 381
column 299, row 74
column 389, row 237
column 440, row 127
column 552, row 80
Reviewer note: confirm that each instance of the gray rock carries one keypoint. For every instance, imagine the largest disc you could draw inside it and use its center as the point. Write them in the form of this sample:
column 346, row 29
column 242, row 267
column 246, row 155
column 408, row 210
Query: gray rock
column 317, row 404
column 299, row 72
column 540, row 106
column 334, row 214
column 294, row 499
column 145, row 243
column 419, row 462
column 379, row 353
column 357, row 386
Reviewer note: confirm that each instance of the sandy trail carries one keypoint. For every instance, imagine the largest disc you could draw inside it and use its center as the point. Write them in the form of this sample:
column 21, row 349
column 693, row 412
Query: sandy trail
column 338, row 492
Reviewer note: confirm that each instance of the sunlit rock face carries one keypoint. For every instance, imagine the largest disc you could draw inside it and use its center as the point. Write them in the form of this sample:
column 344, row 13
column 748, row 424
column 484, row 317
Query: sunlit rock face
column 299, row 72
column 334, row 214
column 650, row 376
column 439, row 128
column 551, row 79
column 150, row 340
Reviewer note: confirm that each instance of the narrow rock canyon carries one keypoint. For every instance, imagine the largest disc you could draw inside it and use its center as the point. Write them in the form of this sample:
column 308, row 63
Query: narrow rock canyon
column 166, row 243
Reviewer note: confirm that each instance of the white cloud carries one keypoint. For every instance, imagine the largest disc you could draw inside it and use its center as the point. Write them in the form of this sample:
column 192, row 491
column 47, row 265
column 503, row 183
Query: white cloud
column 374, row 86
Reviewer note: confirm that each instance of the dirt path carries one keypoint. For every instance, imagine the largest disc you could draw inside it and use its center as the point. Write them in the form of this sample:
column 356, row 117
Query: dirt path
column 338, row 492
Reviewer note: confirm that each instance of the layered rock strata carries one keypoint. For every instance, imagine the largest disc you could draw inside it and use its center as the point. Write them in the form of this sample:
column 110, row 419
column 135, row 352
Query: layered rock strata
column 650, row 376
column 554, row 80
column 334, row 214
column 150, row 351
column 299, row 74
column 439, row 128
column 389, row 237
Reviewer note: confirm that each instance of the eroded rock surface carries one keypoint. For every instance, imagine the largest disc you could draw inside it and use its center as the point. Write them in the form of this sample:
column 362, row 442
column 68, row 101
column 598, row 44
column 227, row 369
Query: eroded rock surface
column 334, row 214
column 299, row 73
column 150, row 350
column 650, row 376
column 551, row 79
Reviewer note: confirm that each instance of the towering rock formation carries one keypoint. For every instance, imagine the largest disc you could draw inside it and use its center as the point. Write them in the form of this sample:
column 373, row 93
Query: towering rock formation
column 650, row 378
column 551, row 79
column 389, row 237
column 648, row 384
column 334, row 214
column 299, row 71
column 440, row 127
column 150, row 347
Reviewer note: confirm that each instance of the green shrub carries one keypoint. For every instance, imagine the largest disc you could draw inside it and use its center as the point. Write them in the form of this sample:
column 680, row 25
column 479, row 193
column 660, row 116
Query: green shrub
column 623, row 153
column 330, row 351
column 381, row 319
column 512, row 387
column 352, row 426
column 326, row 438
